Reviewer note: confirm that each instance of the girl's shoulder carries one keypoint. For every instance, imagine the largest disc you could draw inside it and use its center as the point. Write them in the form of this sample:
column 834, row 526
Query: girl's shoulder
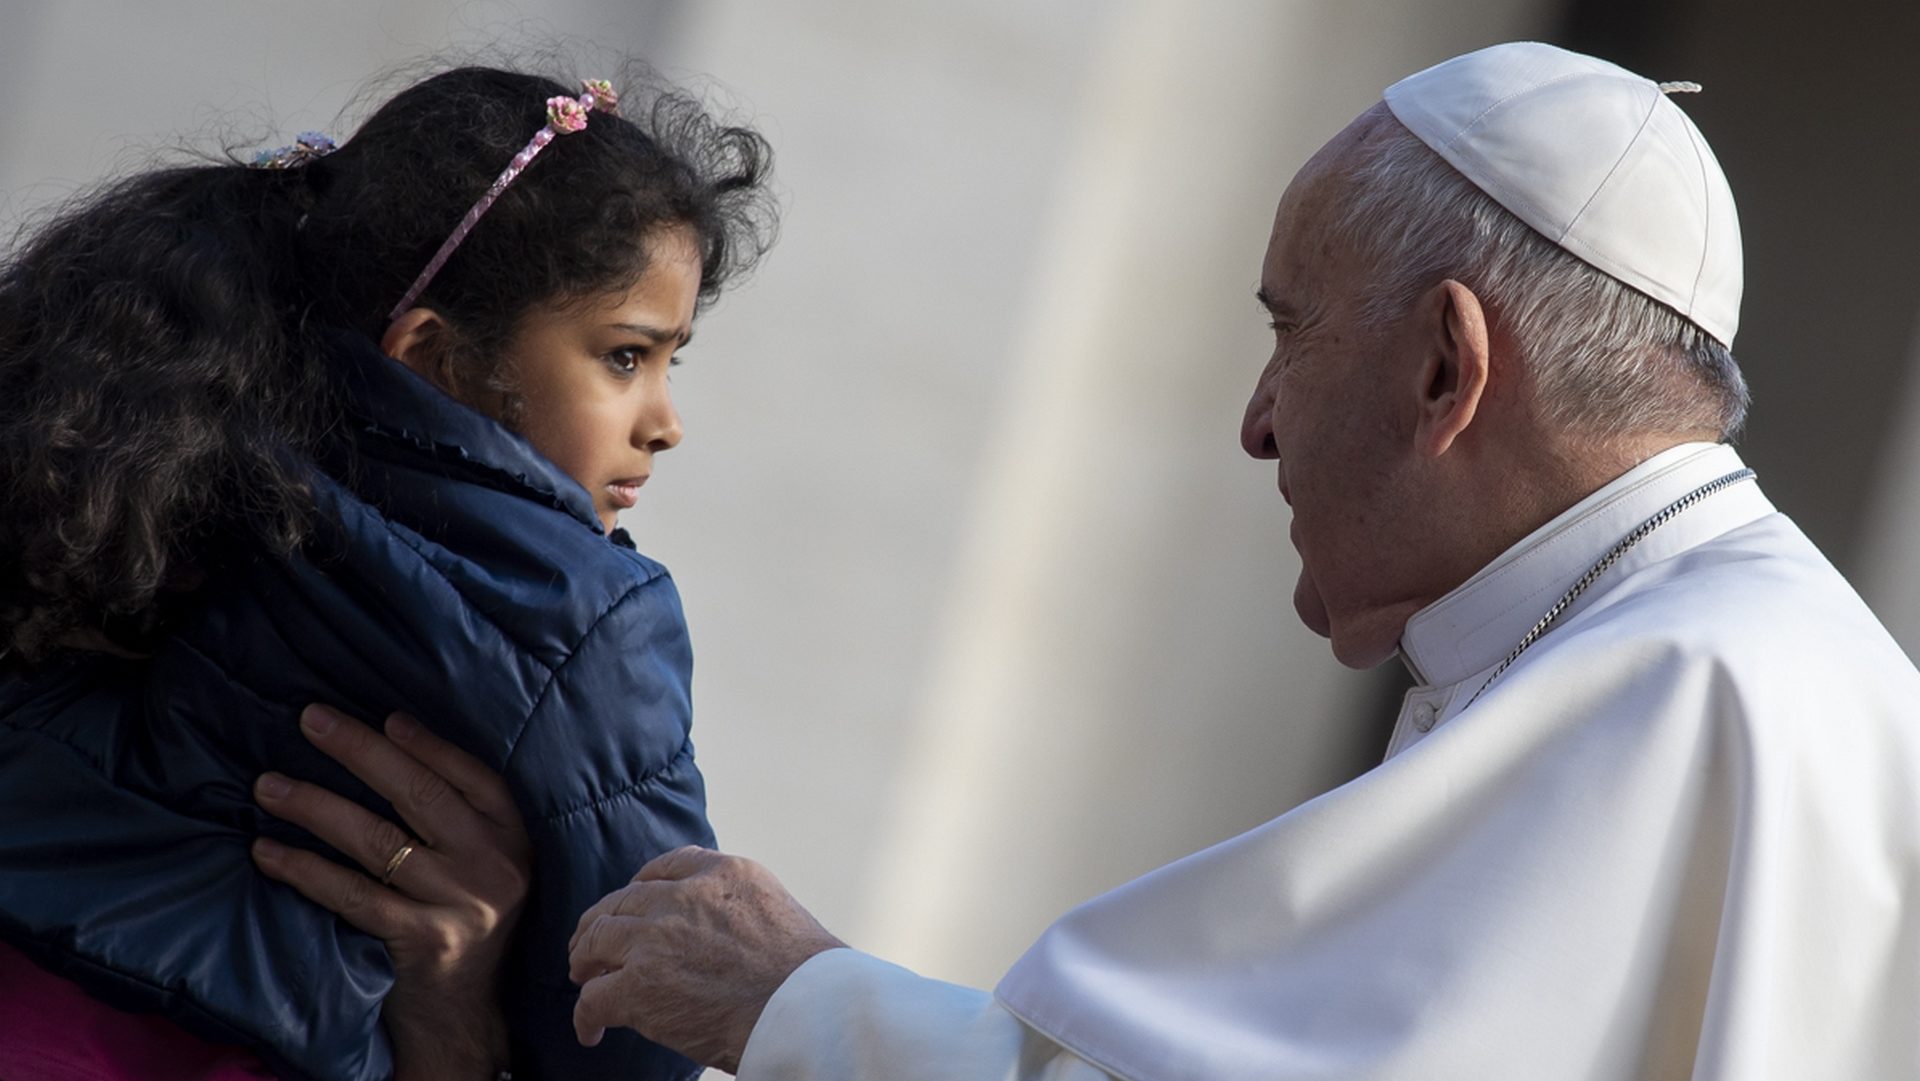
column 464, row 554
column 428, row 482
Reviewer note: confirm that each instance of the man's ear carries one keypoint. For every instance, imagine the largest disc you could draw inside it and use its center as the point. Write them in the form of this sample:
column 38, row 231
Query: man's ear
column 420, row 338
column 1453, row 372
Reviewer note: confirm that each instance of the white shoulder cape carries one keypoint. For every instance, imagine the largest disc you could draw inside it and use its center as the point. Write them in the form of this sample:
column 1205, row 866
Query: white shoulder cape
column 1677, row 839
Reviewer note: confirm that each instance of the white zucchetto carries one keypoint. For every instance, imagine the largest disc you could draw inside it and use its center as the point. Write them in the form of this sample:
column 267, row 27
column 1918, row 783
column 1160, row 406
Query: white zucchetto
column 1596, row 159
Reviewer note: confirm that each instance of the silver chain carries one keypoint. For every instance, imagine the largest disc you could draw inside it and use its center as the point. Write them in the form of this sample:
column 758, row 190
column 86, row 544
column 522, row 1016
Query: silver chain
column 1640, row 532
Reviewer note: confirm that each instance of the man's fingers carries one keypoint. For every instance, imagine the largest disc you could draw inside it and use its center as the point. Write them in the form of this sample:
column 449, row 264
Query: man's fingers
column 369, row 840
column 632, row 899
column 603, row 946
column 596, row 1010
column 680, row 863
column 348, row 894
column 484, row 789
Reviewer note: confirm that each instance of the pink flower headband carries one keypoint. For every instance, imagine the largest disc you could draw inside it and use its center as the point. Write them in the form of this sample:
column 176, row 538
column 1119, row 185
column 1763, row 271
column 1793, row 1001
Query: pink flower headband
column 565, row 115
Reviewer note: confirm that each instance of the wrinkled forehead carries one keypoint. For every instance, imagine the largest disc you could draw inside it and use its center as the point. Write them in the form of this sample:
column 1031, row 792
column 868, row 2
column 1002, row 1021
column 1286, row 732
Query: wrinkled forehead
column 1304, row 248
column 1372, row 126
column 1320, row 186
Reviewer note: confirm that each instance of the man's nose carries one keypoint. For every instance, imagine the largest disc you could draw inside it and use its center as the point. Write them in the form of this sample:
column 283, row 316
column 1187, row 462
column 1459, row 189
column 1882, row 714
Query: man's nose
column 1256, row 429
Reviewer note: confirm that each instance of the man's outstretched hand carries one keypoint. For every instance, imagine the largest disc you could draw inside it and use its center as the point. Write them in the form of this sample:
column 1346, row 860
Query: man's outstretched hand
column 689, row 952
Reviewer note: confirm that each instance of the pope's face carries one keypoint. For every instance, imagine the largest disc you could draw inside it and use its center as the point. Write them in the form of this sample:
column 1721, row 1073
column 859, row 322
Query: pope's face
column 1322, row 412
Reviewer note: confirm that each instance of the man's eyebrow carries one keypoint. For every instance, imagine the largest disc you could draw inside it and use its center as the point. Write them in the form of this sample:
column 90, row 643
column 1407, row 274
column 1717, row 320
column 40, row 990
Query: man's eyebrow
column 1270, row 302
column 682, row 335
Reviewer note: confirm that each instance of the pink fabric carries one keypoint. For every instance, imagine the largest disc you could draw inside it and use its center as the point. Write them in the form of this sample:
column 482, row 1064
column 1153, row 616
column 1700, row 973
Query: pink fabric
column 50, row 1030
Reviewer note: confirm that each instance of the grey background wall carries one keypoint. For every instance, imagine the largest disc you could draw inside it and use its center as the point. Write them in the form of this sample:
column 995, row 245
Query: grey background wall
column 991, row 614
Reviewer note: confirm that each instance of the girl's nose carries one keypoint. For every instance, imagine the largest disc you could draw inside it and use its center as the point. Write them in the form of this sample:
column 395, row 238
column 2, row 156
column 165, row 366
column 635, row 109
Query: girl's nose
column 660, row 426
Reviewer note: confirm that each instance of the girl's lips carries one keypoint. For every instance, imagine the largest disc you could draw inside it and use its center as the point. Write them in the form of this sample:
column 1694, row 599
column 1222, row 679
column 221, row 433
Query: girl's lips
column 625, row 492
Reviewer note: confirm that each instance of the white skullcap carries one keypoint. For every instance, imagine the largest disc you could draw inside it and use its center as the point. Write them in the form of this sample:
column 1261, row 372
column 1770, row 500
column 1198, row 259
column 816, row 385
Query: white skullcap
column 1596, row 159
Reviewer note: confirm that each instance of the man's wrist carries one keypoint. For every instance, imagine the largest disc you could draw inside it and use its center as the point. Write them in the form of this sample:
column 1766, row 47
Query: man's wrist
column 814, row 947
column 456, row 1046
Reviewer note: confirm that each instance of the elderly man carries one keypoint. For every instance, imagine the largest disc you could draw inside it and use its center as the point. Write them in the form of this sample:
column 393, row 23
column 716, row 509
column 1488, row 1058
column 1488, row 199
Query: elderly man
column 1653, row 808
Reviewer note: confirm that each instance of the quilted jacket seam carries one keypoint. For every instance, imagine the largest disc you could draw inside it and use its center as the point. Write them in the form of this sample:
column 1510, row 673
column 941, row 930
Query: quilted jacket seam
column 407, row 539
column 98, row 764
column 232, row 680
column 651, row 779
column 553, row 675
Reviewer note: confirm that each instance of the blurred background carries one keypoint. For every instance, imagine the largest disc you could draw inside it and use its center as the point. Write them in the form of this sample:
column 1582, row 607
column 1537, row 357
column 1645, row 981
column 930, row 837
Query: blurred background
column 991, row 613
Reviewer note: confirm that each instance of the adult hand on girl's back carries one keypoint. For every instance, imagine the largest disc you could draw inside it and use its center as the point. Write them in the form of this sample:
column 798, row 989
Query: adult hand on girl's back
column 445, row 904
column 689, row 953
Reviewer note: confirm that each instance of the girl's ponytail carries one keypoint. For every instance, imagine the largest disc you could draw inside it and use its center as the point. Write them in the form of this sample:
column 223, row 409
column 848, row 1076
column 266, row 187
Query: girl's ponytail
column 154, row 400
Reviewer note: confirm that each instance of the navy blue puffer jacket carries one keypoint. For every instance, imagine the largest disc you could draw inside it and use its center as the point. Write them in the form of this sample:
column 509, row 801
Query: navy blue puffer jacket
column 460, row 576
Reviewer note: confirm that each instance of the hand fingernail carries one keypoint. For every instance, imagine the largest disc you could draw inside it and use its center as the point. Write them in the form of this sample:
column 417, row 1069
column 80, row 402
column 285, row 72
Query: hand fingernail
column 267, row 853
column 273, row 786
column 401, row 727
column 318, row 719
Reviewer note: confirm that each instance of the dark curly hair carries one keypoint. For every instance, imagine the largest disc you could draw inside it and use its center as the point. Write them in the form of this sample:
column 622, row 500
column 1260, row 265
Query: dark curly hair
column 163, row 379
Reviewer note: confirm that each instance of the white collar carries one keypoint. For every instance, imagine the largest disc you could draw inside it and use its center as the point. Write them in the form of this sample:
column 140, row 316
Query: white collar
column 1473, row 628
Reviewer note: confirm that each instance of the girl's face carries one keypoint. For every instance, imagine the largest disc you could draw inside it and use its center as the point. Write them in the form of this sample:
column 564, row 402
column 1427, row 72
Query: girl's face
column 589, row 378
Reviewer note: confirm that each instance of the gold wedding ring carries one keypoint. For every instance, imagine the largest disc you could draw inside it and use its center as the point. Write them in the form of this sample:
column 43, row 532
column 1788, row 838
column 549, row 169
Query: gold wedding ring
column 393, row 862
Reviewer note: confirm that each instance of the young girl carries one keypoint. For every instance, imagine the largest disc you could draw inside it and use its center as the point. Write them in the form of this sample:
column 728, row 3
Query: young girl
column 348, row 427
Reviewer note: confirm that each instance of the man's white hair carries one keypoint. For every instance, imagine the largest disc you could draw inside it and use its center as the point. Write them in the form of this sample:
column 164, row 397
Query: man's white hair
column 1607, row 360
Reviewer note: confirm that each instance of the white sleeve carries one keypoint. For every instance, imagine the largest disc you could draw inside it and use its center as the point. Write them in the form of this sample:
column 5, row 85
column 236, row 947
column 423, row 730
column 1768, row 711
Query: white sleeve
column 846, row 1016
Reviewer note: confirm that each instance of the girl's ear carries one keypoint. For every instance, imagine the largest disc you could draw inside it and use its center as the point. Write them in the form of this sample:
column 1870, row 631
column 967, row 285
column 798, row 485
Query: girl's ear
column 419, row 339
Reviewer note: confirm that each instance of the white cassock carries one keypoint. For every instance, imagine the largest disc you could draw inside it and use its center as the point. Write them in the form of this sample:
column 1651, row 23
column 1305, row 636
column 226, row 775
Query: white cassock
column 1677, row 838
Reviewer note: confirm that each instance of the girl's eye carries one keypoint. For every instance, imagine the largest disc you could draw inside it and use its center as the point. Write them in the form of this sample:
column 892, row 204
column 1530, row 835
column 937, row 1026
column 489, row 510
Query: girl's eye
column 624, row 361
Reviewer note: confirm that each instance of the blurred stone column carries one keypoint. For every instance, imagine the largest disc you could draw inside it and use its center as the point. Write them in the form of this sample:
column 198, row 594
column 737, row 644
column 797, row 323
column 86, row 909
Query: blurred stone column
column 1117, row 677
column 1889, row 575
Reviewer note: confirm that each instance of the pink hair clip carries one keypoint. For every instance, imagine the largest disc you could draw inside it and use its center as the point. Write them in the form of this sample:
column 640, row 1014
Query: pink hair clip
column 565, row 115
